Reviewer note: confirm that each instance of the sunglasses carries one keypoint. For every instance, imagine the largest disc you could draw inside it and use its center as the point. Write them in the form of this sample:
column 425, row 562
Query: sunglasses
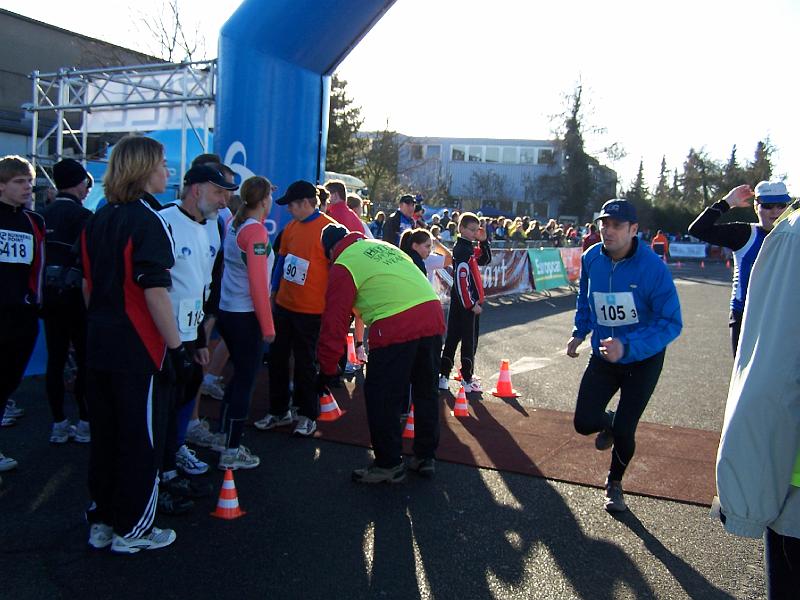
column 771, row 205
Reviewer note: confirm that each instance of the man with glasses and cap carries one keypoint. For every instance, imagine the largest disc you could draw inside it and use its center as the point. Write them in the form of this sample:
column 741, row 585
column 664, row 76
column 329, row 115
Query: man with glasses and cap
column 745, row 239
column 627, row 300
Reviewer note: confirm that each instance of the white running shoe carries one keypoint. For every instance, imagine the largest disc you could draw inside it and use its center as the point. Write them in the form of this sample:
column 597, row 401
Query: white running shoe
column 473, row 385
column 62, row 432
column 238, row 458
column 305, row 427
column 7, row 463
column 7, row 421
column 200, row 435
column 83, row 433
column 12, row 410
column 100, row 535
column 156, row 538
column 186, row 460
column 214, row 388
column 272, row 421
column 443, row 383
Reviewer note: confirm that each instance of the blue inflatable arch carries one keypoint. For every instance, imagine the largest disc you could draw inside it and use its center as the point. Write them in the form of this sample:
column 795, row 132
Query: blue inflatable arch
column 276, row 58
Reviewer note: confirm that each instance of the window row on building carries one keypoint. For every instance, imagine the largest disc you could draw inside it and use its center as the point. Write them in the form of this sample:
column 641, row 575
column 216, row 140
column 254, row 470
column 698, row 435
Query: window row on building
column 510, row 155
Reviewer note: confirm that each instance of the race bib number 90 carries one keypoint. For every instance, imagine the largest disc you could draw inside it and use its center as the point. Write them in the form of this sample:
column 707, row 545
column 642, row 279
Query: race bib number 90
column 615, row 309
column 16, row 247
column 190, row 315
column 295, row 269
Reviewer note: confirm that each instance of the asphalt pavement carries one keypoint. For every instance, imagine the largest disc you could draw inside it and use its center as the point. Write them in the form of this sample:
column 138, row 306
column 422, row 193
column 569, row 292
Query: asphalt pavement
column 468, row 533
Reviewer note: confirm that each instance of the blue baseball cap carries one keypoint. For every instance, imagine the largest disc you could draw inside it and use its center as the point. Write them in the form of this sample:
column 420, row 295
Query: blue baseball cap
column 619, row 209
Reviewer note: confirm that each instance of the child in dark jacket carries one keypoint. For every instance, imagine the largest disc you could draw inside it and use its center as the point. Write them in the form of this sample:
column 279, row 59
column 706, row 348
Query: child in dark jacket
column 466, row 301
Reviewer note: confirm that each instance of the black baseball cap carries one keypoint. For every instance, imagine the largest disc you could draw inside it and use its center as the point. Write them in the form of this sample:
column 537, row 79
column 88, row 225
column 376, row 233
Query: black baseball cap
column 619, row 209
column 208, row 174
column 298, row 191
column 406, row 199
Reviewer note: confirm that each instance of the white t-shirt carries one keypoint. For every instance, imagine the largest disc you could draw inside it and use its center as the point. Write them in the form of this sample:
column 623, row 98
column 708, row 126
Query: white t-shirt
column 196, row 247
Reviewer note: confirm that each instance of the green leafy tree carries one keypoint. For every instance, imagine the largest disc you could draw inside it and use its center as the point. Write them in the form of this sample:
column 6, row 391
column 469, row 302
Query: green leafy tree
column 700, row 179
column 344, row 121
column 489, row 187
column 379, row 165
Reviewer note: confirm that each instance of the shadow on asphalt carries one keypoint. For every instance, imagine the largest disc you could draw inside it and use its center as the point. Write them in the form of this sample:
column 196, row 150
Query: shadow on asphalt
column 525, row 308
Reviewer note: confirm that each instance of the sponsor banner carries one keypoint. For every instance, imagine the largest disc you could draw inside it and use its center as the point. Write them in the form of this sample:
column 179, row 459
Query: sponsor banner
column 508, row 273
column 547, row 268
column 571, row 257
column 681, row 250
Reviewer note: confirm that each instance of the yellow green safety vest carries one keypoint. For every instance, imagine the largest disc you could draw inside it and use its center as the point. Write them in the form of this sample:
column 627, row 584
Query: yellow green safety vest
column 387, row 280
column 796, row 472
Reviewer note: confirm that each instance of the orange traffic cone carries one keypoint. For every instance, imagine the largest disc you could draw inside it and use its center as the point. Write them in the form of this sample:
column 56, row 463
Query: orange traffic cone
column 461, row 409
column 228, row 503
column 328, row 408
column 351, row 350
column 504, row 388
column 408, row 432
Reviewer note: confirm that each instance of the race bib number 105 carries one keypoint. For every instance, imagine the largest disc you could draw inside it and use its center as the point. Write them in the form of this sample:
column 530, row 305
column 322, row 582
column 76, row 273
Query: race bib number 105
column 615, row 309
column 16, row 247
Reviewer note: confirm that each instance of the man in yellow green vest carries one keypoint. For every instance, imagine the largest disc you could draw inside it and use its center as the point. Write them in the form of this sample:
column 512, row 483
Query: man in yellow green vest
column 758, row 462
column 381, row 284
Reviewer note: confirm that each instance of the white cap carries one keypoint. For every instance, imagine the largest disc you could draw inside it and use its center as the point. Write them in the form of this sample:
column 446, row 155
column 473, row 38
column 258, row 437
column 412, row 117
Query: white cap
column 772, row 191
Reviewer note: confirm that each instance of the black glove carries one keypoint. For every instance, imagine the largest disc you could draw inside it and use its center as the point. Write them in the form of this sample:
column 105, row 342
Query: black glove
column 180, row 364
column 324, row 383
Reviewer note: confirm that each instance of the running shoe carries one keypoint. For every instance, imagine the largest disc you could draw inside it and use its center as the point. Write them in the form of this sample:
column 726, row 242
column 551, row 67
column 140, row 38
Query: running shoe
column 100, row 535
column 238, row 458
column 473, row 385
column 272, row 421
column 62, row 432
column 7, row 463
column 443, row 383
column 426, row 467
column 376, row 474
column 186, row 488
column 172, row 504
column 614, row 498
column 605, row 439
column 305, row 427
column 12, row 410
column 200, row 435
column 8, row 421
column 152, row 540
column 186, row 460
column 83, row 433
column 213, row 388
column 219, row 441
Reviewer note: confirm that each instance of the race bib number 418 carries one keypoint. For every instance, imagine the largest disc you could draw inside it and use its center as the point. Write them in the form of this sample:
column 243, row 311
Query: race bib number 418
column 615, row 309
column 16, row 247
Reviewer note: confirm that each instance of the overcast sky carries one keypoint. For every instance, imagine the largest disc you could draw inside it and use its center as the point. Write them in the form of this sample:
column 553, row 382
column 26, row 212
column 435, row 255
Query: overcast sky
column 660, row 77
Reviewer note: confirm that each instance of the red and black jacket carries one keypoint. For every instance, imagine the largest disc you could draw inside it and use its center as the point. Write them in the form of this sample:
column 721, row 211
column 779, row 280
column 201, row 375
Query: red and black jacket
column 467, row 284
column 22, row 239
column 125, row 249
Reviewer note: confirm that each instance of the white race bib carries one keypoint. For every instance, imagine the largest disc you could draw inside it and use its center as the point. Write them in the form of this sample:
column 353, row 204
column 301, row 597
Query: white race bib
column 190, row 315
column 615, row 309
column 295, row 269
column 16, row 247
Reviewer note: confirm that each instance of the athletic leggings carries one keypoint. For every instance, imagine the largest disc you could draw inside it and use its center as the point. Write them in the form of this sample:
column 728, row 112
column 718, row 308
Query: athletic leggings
column 601, row 380
column 19, row 328
column 242, row 335
column 462, row 326
column 181, row 400
column 782, row 565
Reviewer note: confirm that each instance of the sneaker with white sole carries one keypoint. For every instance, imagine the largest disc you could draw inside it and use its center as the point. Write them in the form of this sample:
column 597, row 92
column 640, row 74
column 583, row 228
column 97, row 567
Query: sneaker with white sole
column 200, row 435
column 62, row 432
column 376, row 474
column 444, row 383
column 154, row 539
column 271, row 421
column 100, row 535
column 605, row 439
column 7, row 463
column 83, row 433
column 8, row 421
column 238, row 458
column 614, row 500
column 186, row 488
column 305, row 427
column 213, row 388
column 426, row 467
column 473, row 385
column 186, row 460
column 12, row 410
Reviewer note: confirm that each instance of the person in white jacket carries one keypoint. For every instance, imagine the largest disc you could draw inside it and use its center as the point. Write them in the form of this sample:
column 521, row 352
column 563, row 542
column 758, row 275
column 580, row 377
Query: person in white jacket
column 758, row 462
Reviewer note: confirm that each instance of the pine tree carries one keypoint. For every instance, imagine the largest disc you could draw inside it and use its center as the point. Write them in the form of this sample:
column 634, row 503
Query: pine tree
column 639, row 195
column 761, row 167
column 578, row 183
column 344, row 121
column 732, row 174
column 662, row 189
column 675, row 193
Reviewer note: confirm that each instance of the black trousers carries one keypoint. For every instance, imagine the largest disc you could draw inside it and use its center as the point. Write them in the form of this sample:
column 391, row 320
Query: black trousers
column 295, row 334
column 462, row 326
column 782, row 565
column 601, row 380
column 178, row 397
column 64, row 324
column 19, row 328
column 128, row 421
column 242, row 335
column 389, row 372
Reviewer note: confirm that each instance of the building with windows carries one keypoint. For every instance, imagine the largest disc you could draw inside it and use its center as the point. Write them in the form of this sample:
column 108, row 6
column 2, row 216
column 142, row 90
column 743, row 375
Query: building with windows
column 497, row 176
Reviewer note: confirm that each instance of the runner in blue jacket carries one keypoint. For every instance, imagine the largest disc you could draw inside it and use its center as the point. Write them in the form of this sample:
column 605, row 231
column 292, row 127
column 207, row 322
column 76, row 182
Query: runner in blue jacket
column 628, row 301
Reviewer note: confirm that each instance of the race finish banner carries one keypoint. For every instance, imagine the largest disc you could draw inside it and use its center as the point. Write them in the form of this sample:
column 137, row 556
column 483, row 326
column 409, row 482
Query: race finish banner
column 547, row 269
column 571, row 257
column 681, row 250
column 508, row 273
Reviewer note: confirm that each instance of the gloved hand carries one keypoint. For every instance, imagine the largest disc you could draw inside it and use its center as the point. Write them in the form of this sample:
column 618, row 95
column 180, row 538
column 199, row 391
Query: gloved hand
column 180, row 364
column 324, row 383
